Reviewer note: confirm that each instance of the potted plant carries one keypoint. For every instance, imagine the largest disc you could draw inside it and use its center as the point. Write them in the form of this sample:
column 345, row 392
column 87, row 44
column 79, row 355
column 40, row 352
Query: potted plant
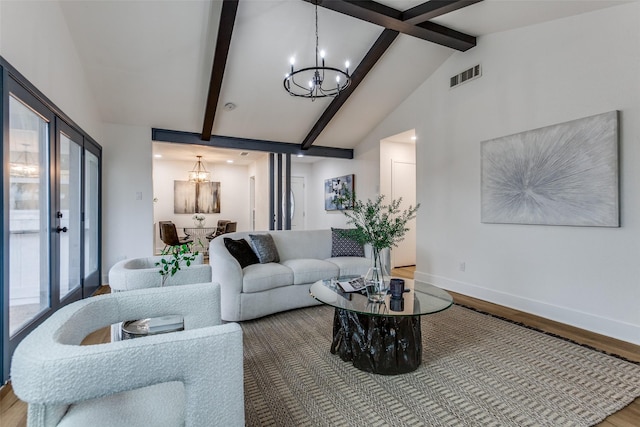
column 379, row 225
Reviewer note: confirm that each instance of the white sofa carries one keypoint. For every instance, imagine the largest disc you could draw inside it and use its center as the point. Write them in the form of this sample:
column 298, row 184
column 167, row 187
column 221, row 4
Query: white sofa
column 262, row 289
column 140, row 273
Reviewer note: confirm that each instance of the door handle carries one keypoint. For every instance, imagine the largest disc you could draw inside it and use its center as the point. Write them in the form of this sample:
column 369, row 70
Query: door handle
column 61, row 229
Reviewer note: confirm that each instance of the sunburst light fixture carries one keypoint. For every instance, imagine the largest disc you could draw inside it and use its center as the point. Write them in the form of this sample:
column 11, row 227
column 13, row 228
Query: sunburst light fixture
column 199, row 172
column 319, row 81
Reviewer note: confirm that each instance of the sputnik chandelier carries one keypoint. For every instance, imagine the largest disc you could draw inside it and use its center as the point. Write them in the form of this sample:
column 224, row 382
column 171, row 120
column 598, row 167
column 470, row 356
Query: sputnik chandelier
column 199, row 172
column 319, row 81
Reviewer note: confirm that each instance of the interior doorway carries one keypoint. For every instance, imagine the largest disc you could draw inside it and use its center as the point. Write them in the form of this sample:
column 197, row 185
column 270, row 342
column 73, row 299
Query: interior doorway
column 398, row 179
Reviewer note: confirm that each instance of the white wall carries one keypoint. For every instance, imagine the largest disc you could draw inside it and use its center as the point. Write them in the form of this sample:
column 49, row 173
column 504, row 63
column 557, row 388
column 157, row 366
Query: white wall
column 35, row 39
column 127, row 195
column 532, row 77
column 317, row 217
column 260, row 170
column 234, row 193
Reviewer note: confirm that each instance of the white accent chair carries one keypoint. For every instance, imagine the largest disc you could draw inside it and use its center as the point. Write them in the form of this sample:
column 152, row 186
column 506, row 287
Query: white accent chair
column 139, row 273
column 190, row 378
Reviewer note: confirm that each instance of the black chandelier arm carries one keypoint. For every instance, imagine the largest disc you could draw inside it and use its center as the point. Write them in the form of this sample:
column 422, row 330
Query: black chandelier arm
column 290, row 81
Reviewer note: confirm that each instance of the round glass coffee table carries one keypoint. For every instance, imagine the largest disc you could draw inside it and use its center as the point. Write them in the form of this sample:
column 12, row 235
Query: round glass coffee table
column 383, row 338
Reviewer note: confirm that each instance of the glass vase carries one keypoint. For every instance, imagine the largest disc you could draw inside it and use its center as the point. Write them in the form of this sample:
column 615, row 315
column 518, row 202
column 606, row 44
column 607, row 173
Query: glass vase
column 376, row 279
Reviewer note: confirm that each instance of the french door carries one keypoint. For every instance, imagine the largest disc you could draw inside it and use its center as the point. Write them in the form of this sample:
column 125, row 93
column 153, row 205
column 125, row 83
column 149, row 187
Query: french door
column 51, row 215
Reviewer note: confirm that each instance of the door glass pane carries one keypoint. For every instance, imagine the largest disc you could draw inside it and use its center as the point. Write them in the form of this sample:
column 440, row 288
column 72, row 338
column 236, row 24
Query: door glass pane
column 28, row 215
column 91, row 214
column 69, row 214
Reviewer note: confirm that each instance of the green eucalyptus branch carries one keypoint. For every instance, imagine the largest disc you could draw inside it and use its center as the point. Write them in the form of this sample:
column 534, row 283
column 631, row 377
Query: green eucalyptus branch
column 173, row 258
column 375, row 223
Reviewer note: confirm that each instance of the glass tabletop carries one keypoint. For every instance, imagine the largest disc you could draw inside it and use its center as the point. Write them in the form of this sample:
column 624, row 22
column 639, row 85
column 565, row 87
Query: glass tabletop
column 419, row 299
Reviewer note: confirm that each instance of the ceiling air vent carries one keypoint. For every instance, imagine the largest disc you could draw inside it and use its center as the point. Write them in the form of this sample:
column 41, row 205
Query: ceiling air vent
column 470, row 74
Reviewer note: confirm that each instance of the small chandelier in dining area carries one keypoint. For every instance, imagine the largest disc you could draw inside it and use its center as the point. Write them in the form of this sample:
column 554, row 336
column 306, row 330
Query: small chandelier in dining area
column 199, row 173
column 317, row 81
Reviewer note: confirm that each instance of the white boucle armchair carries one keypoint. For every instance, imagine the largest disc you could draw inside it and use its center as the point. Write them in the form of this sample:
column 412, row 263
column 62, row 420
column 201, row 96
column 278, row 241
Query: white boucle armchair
column 139, row 273
column 189, row 378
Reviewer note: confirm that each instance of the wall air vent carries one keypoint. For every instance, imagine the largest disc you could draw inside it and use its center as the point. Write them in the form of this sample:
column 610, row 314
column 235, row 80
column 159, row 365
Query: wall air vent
column 470, row 74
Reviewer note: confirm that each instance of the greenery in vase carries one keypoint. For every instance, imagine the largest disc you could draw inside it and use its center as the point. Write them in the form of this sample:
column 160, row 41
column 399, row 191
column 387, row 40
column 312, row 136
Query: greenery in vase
column 173, row 258
column 380, row 225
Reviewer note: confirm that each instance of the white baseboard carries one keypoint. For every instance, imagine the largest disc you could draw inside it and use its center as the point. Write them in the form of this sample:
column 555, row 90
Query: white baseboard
column 601, row 325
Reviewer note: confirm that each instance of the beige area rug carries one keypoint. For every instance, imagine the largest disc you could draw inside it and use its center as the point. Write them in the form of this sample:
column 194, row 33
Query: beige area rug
column 476, row 370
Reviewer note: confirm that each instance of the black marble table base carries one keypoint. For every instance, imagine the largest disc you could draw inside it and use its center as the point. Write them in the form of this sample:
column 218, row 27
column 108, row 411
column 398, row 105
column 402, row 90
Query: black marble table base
column 386, row 345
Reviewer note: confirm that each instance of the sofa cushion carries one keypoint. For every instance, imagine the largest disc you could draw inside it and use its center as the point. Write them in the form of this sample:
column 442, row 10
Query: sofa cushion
column 241, row 251
column 264, row 247
column 350, row 265
column 311, row 270
column 344, row 246
column 262, row 277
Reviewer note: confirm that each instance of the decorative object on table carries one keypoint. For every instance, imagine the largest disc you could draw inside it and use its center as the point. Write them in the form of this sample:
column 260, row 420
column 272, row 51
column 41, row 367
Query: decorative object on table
column 199, row 220
column 173, row 259
column 152, row 326
column 317, row 81
column 354, row 284
column 396, row 288
column 196, row 197
column 335, row 190
column 565, row 174
column 381, row 226
column 396, row 304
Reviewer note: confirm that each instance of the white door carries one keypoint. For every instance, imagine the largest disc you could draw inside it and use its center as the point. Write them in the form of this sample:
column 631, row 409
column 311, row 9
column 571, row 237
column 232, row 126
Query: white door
column 403, row 184
column 297, row 205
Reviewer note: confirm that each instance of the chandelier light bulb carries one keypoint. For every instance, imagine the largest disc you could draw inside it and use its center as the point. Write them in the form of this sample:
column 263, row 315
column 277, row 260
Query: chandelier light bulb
column 310, row 84
column 338, row 79
column 292, row 60
column 322, row 54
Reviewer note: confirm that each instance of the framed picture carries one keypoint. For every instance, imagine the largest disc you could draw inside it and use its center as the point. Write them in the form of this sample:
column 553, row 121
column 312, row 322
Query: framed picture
column 335, row 187
column 191, row 197
column 564, row 174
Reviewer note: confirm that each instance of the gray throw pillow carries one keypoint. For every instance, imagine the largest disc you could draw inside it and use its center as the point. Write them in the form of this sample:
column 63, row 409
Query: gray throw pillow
column 344, row 246
column 265, row 248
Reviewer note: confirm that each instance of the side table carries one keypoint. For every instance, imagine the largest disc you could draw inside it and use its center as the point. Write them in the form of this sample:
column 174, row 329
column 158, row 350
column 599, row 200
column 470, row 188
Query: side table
column 153, row 326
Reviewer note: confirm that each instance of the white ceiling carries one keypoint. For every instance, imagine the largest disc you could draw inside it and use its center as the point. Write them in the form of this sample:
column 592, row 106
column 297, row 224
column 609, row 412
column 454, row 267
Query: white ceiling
column 148, row 62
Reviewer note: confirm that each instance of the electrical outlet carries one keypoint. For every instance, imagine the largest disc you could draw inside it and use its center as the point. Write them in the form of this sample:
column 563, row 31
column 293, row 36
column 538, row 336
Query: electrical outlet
column 138, row 195
column 462, row 266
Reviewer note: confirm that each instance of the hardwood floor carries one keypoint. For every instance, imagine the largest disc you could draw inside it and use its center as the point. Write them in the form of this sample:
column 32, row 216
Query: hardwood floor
column 13, row 412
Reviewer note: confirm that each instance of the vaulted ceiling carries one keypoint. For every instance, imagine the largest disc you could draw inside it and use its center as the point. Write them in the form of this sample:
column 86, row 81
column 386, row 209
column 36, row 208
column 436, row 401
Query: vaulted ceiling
column 149, row 63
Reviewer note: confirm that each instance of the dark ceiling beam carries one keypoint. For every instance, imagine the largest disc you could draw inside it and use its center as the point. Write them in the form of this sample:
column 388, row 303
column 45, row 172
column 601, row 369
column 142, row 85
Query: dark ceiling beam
column 375, row 53
column 432, row 9
column 390, row 18
column 180, row 137
column 225, row 30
